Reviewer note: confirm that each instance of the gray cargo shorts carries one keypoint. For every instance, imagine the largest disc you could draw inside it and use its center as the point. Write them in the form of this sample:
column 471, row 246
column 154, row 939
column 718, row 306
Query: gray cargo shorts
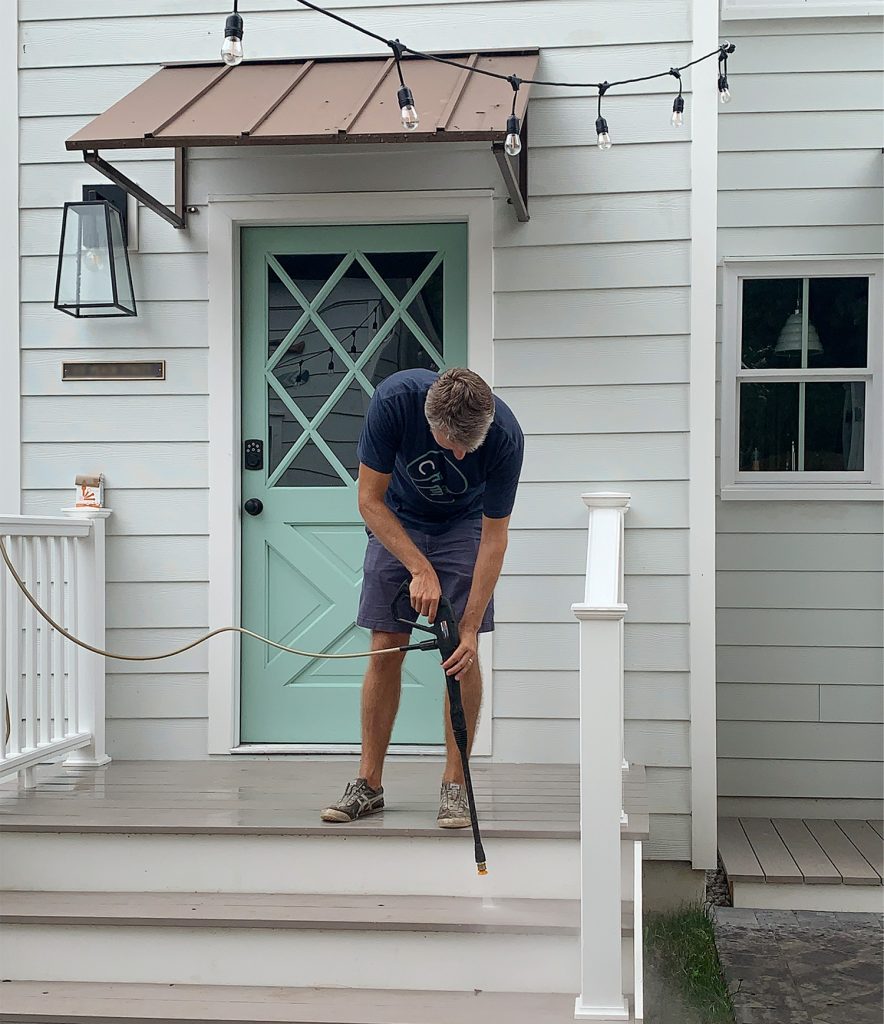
column 452, row 554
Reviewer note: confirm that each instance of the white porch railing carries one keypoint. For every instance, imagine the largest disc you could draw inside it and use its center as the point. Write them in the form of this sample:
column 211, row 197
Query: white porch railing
column 601, row 762
column 51, row 690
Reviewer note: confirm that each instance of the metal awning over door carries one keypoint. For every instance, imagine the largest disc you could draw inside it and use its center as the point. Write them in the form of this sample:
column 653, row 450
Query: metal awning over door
column 312, row 102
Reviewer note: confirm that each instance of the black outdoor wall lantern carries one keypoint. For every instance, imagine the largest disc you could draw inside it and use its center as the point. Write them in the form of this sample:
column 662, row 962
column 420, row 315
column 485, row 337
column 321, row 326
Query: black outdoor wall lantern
column 94, row 279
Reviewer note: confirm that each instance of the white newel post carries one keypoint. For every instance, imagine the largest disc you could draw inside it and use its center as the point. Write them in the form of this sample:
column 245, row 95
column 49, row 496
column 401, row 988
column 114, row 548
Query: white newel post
column 90, row 602
column 601, row 758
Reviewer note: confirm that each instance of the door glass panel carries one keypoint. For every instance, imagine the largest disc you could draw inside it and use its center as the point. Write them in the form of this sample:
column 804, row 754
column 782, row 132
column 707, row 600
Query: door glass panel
column 427, row 309
column 401, row 350
column 768, row 427
column 282, row 429
column 310, row 468
column 283, row 311
column 834, row 426
column 310, row 370
column 399, row 269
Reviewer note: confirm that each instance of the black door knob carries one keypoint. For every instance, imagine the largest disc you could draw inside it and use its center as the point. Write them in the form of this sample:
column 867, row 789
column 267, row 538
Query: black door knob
column 254, row 506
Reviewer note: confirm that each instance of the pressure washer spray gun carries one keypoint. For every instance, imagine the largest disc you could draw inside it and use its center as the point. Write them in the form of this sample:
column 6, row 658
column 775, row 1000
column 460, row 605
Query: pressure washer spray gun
column 446, row 640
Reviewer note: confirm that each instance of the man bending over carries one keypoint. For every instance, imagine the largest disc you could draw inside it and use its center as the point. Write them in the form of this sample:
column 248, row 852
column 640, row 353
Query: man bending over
column 439, row 463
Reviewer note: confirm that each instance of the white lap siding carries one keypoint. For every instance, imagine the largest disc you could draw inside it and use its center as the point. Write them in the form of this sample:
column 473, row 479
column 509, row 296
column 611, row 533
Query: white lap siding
column 800, row 584
column 591, row 347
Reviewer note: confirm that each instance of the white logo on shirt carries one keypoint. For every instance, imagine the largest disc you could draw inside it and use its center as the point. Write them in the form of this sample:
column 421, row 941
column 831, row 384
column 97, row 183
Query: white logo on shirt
column 436, row 477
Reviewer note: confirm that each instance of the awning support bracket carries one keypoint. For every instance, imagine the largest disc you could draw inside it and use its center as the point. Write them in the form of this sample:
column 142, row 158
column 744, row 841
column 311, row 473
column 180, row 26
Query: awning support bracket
column 514, row 171
column 178, row 218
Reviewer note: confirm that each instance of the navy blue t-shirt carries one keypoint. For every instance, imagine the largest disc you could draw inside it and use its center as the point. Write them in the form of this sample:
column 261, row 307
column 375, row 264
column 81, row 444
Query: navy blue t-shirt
column 430, row 489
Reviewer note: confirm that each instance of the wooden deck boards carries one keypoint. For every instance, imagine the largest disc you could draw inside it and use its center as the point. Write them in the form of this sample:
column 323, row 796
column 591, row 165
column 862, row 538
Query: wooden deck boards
column 285, row 796
column 796, row 851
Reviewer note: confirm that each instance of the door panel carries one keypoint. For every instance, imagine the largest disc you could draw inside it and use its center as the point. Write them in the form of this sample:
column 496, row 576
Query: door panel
column 328, row 313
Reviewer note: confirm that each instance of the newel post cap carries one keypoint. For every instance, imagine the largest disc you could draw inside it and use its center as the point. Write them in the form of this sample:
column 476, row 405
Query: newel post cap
column 606, row 499
column 87, row 513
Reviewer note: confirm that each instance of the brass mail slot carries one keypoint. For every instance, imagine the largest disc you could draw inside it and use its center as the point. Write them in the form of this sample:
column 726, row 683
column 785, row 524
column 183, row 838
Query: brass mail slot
column 147, row 370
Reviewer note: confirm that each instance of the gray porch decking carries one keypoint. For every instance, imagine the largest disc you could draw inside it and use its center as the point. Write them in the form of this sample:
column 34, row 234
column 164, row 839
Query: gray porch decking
column 281, row 797
column 803, row 864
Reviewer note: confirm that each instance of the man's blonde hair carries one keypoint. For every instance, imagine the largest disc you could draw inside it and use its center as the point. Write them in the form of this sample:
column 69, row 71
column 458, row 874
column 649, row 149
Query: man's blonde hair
column 460, row 405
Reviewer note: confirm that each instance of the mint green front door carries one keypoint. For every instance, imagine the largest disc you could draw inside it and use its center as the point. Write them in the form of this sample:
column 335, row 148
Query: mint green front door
column 327, row 314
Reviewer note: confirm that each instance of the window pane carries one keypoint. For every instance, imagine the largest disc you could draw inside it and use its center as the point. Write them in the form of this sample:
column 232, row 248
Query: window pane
column 839, row 317
column 769, row 305
column 768, row 427
column 834, row 429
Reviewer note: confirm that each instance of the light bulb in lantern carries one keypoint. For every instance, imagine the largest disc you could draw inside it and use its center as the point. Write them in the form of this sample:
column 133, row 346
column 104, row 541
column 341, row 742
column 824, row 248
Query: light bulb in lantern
column 407, row 109
column 231, row 50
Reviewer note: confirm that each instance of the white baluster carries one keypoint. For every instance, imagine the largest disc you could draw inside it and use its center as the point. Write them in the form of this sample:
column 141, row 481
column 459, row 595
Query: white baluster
column 44, row 577
column 71, row 623
column 12, row 656
column 29, row 576
column 58, row 641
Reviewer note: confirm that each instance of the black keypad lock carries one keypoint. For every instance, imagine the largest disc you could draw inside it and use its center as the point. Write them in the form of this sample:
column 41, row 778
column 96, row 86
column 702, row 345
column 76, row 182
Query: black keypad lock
column 253, row 453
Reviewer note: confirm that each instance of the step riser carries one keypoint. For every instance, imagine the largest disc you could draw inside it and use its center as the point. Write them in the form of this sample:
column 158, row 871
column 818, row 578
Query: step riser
column 359, row 959
column 857, row 899
column 398, row 866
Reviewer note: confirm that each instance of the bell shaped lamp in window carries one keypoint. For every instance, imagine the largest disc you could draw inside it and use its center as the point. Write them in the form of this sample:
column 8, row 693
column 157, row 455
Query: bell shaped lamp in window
column 94, row 279
column 790, row 336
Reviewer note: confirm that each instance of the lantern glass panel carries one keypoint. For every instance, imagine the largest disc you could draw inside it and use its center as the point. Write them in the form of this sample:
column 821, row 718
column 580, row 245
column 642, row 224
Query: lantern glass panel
column 93, row 272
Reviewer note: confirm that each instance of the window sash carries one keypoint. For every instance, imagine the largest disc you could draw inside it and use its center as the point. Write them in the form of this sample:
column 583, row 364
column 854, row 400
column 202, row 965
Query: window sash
column 774, row 485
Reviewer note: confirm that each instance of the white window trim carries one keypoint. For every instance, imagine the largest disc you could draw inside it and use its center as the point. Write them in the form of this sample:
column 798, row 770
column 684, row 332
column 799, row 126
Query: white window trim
column 745, row 10
column 742, row 486
column 227, row 214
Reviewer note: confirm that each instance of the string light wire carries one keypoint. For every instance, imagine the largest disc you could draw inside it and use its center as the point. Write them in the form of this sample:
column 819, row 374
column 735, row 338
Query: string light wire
column 410, row 123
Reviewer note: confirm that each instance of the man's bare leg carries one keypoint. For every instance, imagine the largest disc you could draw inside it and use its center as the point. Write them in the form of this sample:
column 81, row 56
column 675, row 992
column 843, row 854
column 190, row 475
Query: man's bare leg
column 380, row 702
column 471, row 692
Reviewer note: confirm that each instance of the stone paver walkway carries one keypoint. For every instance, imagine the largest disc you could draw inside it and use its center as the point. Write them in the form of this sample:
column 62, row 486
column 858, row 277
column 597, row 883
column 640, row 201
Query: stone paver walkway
column 802, row 967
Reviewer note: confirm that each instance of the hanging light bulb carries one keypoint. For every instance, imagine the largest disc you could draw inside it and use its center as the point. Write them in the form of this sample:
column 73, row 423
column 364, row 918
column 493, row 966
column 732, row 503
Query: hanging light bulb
column 724, row 93
column 678, row 102
column 601, row 125
column 331, row 361
column 353, row 351
column 231, row 50
column 410, row 119
column 513, row 144
column 374, row 323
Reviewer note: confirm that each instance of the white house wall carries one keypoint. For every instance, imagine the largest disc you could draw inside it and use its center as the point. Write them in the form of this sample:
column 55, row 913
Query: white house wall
column 591, row 348
column 800, row 584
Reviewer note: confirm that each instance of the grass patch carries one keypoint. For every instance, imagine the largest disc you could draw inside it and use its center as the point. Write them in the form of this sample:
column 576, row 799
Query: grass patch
column 681, row 945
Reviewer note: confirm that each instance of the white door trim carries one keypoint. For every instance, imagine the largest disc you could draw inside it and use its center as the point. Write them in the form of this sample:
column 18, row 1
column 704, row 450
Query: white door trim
column 10, row 342
column 227, row 214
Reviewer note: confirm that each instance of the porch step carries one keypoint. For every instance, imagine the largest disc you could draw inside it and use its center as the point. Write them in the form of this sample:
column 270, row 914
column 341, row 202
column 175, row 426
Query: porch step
column 30, row 1002
column 803, row 864
column 199, row 938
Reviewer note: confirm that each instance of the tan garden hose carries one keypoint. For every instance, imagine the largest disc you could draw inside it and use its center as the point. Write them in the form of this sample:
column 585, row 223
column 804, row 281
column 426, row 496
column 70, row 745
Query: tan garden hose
column 178, row 650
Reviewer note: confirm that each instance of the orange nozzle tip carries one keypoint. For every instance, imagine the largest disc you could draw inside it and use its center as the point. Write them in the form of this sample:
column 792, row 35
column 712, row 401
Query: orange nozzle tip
column 483, row 870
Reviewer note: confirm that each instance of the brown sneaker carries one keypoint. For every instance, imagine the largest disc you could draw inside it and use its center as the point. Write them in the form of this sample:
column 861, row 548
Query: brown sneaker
column 359, row 799
column 454, row 811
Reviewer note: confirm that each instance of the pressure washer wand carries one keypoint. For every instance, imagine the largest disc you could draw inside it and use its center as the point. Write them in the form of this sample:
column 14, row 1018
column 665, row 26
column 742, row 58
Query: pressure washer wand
column 459, row 728
column 447, row 640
